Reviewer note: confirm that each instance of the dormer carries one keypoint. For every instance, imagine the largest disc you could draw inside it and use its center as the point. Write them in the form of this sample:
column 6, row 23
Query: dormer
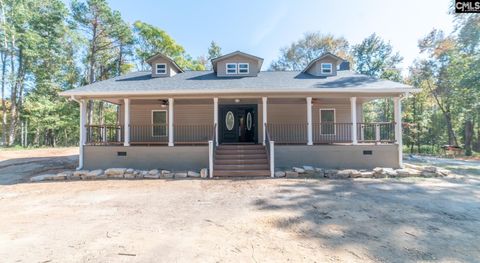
column 237, row 64
column 324, row 66
column 163, row 66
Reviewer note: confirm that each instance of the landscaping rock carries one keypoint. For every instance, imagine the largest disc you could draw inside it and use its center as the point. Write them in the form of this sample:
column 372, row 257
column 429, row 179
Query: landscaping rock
column 443, row 172
column 430, row 169
column 151, row 175
column 95, row 174
column 180, row 175
column 319, row 172
column 129, row 176
column 428, row 174
column 204, row 173
column 366, row 174
column 115, row 172
column 57, row 177
column 67, row 174
column 403, row 172
column 342, row 174
column 39, row 178
column 80, row 173
column 164, row 173
column 308, row 169
column 330, row 173
column 390, row 172
column 154, row 172
column 168, row 175
column 141, row 174
column 298, row 170
column 193, row 174
column 279, row 174
column 291, row 174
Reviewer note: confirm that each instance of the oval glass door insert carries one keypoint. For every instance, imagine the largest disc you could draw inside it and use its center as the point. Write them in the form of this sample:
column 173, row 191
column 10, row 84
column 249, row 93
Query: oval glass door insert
column 249, row 121
column 229, row 120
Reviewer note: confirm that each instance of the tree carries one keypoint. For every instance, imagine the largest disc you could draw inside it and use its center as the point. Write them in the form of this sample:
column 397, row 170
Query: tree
column 106, row 33
column 151, row 40
column 375, row 57
column 312, row 45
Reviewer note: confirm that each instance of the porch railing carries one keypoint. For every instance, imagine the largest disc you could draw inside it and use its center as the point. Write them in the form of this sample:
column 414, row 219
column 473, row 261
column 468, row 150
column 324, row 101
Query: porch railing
column 288, row 133
column 270, row 147
column 332, row 132
column 376, row 132
column 212, row 148
column 104, row 134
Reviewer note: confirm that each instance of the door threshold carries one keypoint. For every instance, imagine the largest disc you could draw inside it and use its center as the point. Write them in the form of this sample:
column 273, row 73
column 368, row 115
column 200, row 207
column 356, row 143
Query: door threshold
column 237, row 143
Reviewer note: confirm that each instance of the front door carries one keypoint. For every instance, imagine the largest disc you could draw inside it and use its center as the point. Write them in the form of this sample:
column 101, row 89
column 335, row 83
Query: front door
column 238, row 123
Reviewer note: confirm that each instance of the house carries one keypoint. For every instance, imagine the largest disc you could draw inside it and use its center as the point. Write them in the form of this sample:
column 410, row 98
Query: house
column 239, row 120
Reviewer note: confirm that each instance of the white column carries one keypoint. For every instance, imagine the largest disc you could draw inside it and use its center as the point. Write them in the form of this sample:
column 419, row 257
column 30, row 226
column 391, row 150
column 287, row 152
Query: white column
column 353, row 113
column 309, row 121
column 126, row 139
column 264, row 117
column 170, row 122
column 215, row 119
column 83, row 131
column 397, row 107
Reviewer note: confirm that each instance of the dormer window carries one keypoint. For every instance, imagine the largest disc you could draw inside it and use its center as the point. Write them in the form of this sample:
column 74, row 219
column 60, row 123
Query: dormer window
column 326, row 68
column 243, row 68
column 231, row 68
column 161, row 68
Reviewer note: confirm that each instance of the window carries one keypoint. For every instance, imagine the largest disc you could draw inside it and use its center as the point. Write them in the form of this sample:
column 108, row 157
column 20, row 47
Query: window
column 243, row 68
column 229, row 120
column 231, row 68
column 159, row 123
column 326, row 68
column 327, row 121
column 161, row 68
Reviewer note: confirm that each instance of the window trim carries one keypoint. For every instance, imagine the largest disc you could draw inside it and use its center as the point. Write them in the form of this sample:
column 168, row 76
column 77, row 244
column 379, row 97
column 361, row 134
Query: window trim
column 248, row 68
column 334, row 121
column 226, row 68
column 325, row 73
column 156, row 68
column 166, row 123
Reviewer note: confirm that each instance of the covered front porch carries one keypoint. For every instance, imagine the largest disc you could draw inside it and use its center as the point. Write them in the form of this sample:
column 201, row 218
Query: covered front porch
column 288, row 121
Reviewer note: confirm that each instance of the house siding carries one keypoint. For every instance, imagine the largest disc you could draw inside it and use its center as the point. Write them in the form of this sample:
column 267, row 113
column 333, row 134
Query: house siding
column 316, row 69
column 253, row 67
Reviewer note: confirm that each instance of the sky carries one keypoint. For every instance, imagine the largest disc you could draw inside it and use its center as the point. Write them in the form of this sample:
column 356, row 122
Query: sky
column 263, row 27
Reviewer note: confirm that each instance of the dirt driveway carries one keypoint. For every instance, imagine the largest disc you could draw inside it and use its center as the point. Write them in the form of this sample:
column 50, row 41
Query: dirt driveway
column 297, row 220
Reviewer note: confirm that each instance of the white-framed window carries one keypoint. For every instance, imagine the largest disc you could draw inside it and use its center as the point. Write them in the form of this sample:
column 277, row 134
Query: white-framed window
column 243, row 68
column 231, row 68
column 161, row 68
column 159, row 123
column 326, row 68
column 327, row 121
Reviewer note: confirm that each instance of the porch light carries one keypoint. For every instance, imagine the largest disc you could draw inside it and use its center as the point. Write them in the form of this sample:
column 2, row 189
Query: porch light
column 237, row 100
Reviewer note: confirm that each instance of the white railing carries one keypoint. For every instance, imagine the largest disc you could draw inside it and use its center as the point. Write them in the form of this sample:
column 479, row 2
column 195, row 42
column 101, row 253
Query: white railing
column 270, row 147
column 212, row 145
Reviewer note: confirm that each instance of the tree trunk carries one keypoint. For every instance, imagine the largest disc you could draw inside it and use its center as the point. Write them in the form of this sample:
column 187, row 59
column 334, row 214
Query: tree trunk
column 4, row 106
column 468, row 137
column 13, row 97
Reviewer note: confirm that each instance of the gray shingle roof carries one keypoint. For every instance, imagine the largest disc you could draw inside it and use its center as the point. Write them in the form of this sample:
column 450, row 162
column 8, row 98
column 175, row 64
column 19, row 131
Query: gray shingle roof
column 266, row 81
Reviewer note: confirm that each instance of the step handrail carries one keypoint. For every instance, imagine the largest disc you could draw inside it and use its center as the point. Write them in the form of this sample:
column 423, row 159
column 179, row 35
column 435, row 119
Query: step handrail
column 270, row 148
column 212, row 146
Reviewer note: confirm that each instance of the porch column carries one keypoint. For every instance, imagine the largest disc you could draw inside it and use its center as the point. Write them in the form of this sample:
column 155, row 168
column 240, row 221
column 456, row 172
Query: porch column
column 126, row 140
column 353, row 113
column 215, row 119
column 264, row 115
column 170, row 122
column 309, row 121
column 83, row 131
column 397, row 108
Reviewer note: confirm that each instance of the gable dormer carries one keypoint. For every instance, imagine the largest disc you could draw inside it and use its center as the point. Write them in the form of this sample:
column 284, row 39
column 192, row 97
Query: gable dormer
column 163, row 66
column 237, row 64
column 324, row 66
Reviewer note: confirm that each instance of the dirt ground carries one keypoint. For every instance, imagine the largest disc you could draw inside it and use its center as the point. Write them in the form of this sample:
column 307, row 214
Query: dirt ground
column 296, row 220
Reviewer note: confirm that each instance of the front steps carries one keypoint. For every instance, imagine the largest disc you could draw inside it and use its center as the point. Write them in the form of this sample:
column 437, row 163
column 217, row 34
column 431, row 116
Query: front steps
column 241, row 160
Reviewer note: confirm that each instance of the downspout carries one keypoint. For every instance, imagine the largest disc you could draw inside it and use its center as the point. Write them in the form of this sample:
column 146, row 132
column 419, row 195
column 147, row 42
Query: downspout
column 80, row 152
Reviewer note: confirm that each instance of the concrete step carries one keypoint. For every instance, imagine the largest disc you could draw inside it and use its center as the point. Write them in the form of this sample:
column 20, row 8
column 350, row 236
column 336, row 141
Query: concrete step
column 241, row 167
column 242, row 161
column 243, row 173
column 240, row 151
column 240, row 146
column 240, row 156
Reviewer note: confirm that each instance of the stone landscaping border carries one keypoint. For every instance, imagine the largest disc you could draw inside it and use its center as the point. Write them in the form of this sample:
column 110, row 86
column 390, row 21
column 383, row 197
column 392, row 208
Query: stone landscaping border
column 294, row 172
